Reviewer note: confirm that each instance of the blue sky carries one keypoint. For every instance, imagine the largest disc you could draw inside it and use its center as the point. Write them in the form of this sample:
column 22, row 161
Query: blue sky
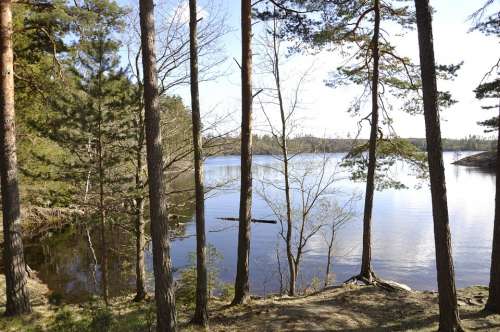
column 323, row 109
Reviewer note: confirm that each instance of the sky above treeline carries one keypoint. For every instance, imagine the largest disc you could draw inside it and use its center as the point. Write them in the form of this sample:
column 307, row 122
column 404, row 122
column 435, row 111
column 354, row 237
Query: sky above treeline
column 323, row 110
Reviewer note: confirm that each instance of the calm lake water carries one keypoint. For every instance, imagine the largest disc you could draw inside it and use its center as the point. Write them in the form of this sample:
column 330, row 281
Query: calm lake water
column 403, row 242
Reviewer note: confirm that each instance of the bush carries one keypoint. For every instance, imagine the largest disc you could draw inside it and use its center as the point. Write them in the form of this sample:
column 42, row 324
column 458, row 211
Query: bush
column 186, row 289
column 65, row 321
column 102, row 321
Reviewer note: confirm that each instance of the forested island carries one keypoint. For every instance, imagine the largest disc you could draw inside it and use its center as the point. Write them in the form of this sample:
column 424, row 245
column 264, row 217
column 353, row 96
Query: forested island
column 157, row 172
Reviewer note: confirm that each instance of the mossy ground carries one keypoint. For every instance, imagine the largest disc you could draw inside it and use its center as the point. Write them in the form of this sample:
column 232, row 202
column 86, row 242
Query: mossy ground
column 348, row 308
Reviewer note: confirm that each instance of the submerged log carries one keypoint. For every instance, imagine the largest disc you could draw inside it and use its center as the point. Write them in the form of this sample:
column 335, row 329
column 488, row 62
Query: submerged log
column 262, row 221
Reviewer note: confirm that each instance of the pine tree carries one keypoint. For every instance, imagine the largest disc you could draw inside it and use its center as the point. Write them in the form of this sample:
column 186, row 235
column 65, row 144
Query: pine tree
column 18, row 301
column 91, row 118
column 449, row 319
column 241, row 286
column 166, row 318
column 372, row 63
column 490, row 25
column 200, row 315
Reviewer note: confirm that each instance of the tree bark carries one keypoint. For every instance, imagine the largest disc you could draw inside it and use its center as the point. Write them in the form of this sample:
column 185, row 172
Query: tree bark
column 201, row 313
column 164, row 290
column 13, row 253
column 366, row 265
column 242, row 288
column 329, row 257
column 102, row 213
column 100, row 171
column 448, row 310
column 493, row 303
column 140, row 242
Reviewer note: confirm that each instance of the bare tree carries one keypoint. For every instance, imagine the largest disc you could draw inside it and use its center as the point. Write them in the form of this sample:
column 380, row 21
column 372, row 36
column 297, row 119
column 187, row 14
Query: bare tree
column 241, row 286
column 339, row 216
column 164, row 290
column 272, row 51
column 13, row 254
column 173, row 37
column 173, row 44
column 312, row 185
column 200, row 315
column 449, row 319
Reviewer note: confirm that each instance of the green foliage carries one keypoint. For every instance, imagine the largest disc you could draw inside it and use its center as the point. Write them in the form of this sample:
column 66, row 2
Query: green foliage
column 40, row 47
column 90, row 116
column 489, row 90
column 389, row 152
column 102, row 320
column 186, row 291
column 66, row 321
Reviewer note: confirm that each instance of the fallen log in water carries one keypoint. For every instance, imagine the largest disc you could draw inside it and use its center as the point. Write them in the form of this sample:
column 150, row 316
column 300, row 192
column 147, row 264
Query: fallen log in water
column 262, row 221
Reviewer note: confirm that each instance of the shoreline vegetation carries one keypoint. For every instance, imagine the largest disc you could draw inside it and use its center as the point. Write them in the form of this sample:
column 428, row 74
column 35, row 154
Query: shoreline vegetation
column 345, row 307
column 266, row 145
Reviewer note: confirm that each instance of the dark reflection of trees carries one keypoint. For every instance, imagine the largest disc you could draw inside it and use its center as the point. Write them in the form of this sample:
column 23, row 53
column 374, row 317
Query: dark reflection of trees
column 65, row 262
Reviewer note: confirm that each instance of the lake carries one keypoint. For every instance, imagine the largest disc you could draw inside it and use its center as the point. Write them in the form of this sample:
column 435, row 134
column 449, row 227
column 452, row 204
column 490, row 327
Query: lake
column 403, row 242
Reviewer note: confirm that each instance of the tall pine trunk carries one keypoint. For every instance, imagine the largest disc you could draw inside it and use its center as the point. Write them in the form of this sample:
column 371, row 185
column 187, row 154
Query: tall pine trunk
column 102, row 213
column 164, row 290
column 200, row 314
column 448, row 311
column 366, row 265
column 241, row 287
column 140, row 242
column 140, row 239
column 13, row 254
column 493, row 303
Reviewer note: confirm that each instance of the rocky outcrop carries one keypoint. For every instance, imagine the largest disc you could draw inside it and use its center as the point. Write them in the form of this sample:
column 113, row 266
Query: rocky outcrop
column 483, row 160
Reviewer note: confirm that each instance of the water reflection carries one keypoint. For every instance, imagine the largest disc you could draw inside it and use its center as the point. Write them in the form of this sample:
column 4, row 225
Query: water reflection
column 403, row 242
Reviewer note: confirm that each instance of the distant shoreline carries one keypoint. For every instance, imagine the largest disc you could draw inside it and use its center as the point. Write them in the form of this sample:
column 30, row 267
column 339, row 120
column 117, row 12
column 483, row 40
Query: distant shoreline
column 266, row 145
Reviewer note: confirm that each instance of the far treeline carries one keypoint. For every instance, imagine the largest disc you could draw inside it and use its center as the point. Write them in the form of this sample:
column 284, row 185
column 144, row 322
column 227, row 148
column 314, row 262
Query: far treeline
column 267, row 145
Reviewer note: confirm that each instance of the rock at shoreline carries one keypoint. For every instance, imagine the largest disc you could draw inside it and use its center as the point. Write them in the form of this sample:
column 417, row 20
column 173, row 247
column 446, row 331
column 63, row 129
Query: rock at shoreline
column 483, row 160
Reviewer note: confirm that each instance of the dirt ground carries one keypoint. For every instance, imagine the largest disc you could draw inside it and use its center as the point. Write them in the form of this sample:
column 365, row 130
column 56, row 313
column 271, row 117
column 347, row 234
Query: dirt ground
column 354, row 308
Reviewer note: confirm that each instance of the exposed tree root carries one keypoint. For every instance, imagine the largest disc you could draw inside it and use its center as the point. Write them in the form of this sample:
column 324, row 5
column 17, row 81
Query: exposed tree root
column 373, row 280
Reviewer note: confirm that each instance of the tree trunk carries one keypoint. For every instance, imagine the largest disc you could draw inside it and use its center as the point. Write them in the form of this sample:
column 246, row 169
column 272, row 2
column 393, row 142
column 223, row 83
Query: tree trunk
column 104, row 255
column 13, row 254
column 164, row 290
column 200, row 314
column 241, row 287
column 493, row 303
column 448, row 318
column 140, row 242
column 366, row 264
column 329, row 257
column 102, row 214
column 284, row 152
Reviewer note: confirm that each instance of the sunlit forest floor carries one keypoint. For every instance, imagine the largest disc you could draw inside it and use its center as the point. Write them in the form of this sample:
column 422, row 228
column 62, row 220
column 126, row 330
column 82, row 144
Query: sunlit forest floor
column 349, row 308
